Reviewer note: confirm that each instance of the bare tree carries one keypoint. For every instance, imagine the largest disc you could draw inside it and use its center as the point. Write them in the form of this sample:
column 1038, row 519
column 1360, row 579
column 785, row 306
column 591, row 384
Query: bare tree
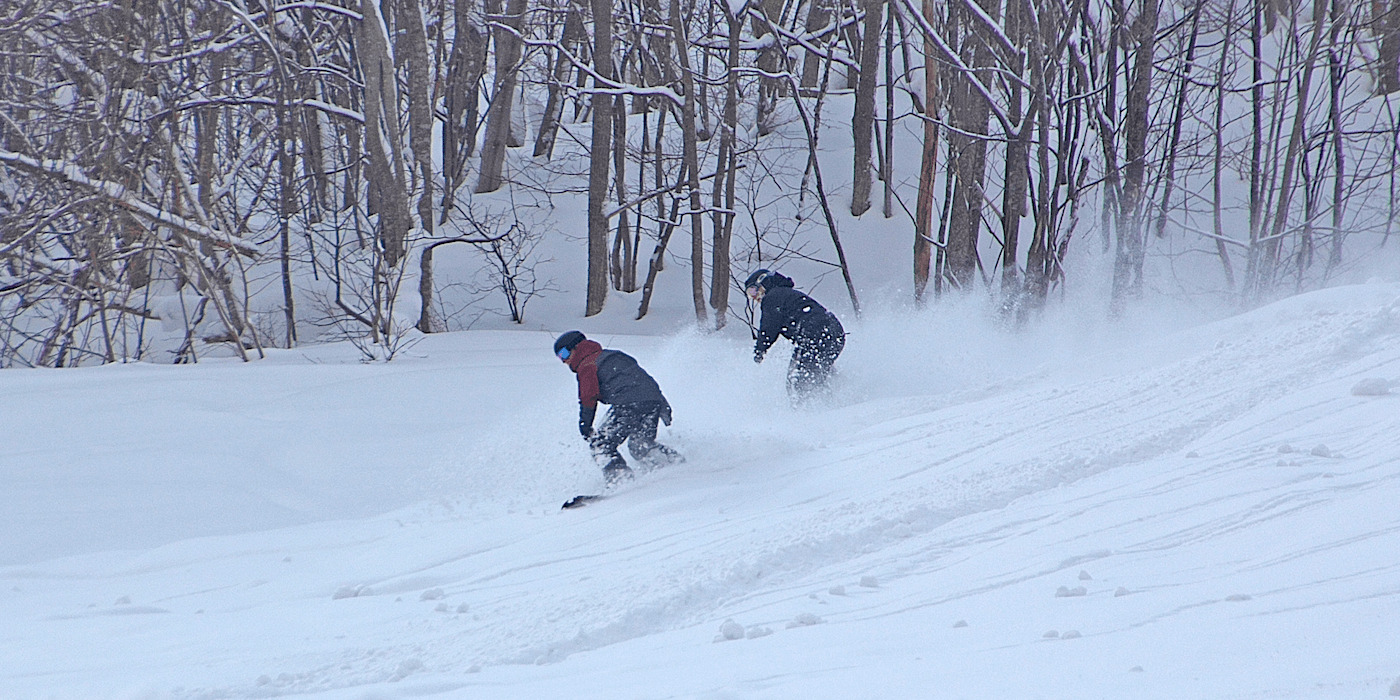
column 863, row 120
column 506, row 32
column 600, row 152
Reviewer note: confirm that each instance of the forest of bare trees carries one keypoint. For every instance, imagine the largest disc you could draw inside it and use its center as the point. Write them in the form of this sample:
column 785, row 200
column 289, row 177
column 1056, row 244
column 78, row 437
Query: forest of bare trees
column 246, row 175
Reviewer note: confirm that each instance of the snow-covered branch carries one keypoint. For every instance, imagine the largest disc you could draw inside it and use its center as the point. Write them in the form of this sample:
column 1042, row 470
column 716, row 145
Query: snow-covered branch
column 260, row 100
column 122, row 197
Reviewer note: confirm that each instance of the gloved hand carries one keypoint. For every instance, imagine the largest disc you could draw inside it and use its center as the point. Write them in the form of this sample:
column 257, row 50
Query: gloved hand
column 585, row 420
column 758, row 356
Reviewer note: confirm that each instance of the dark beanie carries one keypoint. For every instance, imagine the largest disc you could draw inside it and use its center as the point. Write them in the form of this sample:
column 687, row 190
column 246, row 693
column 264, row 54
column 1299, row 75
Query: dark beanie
column 568, row 340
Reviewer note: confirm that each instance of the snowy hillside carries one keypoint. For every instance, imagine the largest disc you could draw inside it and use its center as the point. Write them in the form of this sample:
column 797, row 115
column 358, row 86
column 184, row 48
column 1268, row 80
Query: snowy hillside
column 1116, row 512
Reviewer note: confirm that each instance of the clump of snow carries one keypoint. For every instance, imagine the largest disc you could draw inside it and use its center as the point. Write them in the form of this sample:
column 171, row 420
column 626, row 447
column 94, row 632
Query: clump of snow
column 406, row 668
column 960, row 624
column 837, row 590
column 1071, row 634
column 432, row 594
column 1373, row 386
column 869, row 582
column 462, row 608
column 1122, row 591
column 731, row 630
column 442, row 608
column 805, row 620
column 1135, row 669
column 124, row 600
column 1321, row 451
column 1067, row 592
column 1285, row 448
column 351, row 592
column 1052, row 634
column 1085, row 576
column 1193, row 454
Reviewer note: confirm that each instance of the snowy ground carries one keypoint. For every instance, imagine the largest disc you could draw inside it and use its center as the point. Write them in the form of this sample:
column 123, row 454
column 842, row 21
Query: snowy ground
column 1200, row 514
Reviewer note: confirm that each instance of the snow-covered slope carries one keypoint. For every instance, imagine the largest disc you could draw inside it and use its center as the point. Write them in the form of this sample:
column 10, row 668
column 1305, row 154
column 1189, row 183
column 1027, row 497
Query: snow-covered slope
column 1208, row 513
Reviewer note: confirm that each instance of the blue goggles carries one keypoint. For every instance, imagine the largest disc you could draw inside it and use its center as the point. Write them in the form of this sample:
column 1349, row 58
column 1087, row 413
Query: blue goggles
column 563, row 353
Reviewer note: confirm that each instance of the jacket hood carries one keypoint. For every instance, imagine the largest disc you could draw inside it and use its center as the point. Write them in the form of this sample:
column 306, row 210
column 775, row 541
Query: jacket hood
column 584, row 351
column 774, row 279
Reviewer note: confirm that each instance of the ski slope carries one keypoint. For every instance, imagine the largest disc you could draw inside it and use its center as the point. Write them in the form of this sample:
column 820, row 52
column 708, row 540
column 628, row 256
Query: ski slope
column 1105, row 512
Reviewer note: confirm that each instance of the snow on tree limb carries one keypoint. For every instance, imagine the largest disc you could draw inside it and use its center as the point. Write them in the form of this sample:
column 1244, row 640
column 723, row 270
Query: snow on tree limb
column 119, row 195
column 264, row 101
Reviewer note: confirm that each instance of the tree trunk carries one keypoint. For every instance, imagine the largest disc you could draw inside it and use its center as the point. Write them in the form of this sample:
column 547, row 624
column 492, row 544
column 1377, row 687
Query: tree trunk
column 287, row 185
column 1337, row 71
column 818, row 14
column 691, row 163
column 724, row 181
column 969, row 114
column 1128, row 260
column 1263, row 271
column 498, row 120
column 1218, row 157
column 599, row 153
column 1256, row 157
column 414, row 45
column 770, row 60
column 554, row 105
column 887, row 163
column 863, row 121
column 928, row 168
column 1016, row 171
column 383, row 173
column 624, row 263
column 466, row 64
column 1386, row 21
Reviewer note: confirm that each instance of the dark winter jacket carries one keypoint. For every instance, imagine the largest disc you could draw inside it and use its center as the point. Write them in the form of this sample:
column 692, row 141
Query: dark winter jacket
column 611, row 377
column 793, row 315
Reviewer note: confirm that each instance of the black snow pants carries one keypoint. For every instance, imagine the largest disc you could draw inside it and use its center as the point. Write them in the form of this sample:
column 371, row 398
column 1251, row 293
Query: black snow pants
column 812, row 360
column 635, row 424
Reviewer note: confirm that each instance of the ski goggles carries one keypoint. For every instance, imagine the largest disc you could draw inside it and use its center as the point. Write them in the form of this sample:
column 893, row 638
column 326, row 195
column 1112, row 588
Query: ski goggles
column 563, row 354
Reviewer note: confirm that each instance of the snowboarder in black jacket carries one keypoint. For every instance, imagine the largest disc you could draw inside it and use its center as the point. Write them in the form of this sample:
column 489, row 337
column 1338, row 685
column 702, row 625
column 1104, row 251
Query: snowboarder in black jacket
column 614, row 377
column 816, row 334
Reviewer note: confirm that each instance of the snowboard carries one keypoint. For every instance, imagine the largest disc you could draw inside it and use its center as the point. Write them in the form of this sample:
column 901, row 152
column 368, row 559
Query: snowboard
column 581, row 501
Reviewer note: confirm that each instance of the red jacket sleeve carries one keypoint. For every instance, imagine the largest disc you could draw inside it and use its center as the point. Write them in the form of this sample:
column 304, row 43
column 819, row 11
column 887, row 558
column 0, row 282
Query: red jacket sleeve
column 588, row 383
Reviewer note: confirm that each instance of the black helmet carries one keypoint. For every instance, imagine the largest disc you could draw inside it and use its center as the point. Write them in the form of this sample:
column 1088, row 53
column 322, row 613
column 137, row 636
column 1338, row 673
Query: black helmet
column 756, row 279
column 568, row 341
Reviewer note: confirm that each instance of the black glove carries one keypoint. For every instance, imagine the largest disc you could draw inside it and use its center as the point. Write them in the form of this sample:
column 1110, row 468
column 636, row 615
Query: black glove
column 585, row 420
column 666, row 414
column 757, row 355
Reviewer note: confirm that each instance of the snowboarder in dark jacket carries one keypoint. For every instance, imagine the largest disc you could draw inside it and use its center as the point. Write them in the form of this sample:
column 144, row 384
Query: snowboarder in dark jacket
column 614, row 377
column 816, row 334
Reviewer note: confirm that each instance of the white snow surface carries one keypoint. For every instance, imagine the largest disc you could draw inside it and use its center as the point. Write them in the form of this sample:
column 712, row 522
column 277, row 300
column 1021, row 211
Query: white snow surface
column 1070, row 510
